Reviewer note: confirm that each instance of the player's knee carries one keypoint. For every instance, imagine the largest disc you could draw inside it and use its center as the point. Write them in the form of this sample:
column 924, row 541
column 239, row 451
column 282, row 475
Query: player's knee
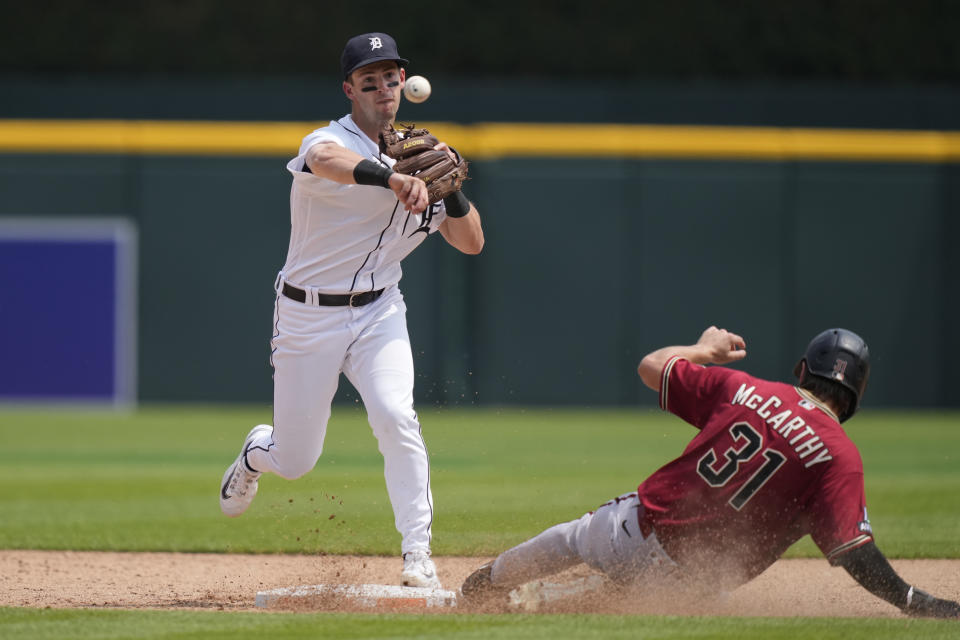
column 392, row 422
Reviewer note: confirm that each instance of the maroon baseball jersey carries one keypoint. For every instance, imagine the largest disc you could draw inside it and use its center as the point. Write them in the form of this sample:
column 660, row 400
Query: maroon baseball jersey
column 770, row 465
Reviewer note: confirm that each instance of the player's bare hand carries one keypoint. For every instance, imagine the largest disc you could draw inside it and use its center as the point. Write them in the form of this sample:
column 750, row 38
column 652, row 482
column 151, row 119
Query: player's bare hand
column 410, row 191
column 722, row 346
column 443, row 146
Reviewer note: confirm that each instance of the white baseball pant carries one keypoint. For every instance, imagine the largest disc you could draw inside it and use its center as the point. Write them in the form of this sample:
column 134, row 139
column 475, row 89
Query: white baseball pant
column 608, row 539
column 371, row 346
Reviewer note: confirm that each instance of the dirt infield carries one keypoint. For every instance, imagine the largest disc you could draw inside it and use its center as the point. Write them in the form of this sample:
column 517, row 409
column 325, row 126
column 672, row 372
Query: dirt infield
column 215, row 581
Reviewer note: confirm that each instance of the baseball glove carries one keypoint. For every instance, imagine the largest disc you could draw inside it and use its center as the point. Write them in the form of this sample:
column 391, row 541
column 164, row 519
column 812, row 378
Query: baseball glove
column 413, row 150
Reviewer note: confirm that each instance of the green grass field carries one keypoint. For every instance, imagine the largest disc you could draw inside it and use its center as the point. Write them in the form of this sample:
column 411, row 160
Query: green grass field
column 91, row 480
column 202, row 625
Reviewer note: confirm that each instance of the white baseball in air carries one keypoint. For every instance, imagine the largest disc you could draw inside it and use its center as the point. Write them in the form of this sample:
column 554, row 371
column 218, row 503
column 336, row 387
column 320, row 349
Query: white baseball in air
column 417, row 89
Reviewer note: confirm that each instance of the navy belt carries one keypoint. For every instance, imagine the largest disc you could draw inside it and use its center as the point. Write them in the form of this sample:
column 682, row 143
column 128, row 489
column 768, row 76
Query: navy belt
column 332, row 300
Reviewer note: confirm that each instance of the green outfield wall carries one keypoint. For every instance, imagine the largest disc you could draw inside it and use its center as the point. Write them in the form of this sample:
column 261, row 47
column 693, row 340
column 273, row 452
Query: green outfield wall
column 604, row 241
column 589, row 263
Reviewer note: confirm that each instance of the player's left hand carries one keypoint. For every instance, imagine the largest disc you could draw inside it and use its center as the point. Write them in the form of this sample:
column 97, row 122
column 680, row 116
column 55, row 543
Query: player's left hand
column 924, row 605
column 722, row 346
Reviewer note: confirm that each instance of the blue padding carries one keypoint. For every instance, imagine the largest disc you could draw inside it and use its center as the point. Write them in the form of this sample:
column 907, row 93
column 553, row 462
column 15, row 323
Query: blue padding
column 58, row 318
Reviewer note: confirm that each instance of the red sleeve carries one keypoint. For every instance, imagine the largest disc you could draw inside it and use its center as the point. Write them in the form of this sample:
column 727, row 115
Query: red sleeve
column 690, row 391
column 838, row 512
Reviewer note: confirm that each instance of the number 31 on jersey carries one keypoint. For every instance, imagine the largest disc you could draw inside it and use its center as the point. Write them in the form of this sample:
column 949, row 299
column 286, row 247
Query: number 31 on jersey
column 747, row 443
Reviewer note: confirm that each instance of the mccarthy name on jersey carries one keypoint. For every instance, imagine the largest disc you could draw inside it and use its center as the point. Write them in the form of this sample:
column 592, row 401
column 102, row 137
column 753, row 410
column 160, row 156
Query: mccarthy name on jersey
column 794, row 429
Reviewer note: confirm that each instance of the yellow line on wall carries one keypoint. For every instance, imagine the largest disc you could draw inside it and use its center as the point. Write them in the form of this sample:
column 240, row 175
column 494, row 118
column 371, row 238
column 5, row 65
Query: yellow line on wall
column 490, row 140
column 152, row 137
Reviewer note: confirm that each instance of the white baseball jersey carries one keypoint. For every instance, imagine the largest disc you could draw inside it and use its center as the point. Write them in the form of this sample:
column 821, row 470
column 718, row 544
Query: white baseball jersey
column 349, row 238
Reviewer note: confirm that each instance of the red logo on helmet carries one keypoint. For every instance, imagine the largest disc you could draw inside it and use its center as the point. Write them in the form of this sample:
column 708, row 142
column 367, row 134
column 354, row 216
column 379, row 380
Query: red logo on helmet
column 839, row 368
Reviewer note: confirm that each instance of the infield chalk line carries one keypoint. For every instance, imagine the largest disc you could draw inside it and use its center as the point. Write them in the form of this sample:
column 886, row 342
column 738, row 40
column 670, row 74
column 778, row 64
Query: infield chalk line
column 385, row 596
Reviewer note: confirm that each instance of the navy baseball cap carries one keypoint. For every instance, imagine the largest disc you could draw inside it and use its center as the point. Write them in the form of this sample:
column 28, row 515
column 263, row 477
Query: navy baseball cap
column 368, row 48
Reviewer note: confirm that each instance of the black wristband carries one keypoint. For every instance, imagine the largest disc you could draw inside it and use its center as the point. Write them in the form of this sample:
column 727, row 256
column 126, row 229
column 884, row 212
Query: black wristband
column 457, row 205
column 369, row 172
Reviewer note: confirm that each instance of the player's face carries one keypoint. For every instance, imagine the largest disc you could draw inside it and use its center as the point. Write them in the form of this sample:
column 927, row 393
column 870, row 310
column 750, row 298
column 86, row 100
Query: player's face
column 375, row 90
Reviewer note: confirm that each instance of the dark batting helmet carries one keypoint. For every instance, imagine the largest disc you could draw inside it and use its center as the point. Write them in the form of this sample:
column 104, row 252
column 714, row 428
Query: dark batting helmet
column 840, row 356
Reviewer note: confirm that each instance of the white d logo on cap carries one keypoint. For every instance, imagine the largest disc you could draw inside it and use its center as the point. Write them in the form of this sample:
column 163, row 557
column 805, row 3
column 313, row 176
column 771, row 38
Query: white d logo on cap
column 375, row 43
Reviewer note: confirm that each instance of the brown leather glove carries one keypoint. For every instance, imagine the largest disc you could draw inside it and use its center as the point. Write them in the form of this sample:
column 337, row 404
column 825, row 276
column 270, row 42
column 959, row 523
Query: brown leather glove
column 413, row 149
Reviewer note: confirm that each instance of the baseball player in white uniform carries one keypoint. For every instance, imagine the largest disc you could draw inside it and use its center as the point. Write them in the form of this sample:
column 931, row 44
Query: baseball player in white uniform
column 338, row 306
